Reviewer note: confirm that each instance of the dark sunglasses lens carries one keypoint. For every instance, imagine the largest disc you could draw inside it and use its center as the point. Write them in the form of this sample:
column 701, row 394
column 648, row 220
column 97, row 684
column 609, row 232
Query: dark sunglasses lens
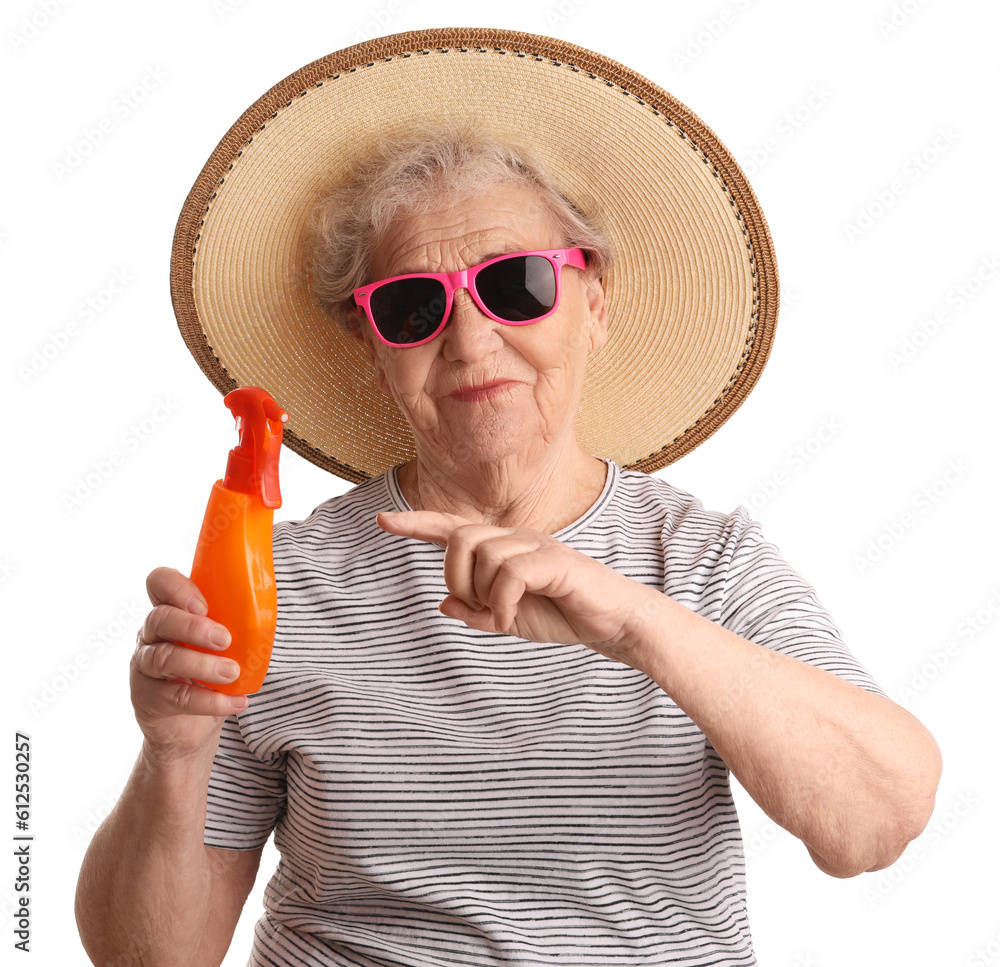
column 408, row 310
column 519, row 288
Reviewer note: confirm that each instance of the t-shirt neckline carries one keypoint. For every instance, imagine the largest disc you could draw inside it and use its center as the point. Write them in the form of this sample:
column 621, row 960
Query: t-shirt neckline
column 573, row 528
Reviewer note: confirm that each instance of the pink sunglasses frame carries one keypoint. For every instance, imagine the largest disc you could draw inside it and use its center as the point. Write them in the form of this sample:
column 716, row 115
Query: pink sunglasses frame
column 465, row 279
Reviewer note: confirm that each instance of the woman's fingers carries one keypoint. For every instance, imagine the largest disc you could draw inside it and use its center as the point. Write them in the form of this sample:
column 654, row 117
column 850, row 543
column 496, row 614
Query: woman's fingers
column 527, row 583
column 179, row 612
column 159, row 653
column 475, row 554
column 524, row 571
column 166, row 585
column 178, row 716
column 154, row 697
column 495, row 572
column 489, row 569
column 522, row 581
column 166, row 622
column 169, row 662
column 164, row 673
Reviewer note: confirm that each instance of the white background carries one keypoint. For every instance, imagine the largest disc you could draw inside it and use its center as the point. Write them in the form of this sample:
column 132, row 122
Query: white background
column 843, row 452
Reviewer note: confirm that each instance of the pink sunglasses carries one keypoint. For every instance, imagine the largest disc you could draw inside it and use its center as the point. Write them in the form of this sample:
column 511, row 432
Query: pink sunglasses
column 515, row 289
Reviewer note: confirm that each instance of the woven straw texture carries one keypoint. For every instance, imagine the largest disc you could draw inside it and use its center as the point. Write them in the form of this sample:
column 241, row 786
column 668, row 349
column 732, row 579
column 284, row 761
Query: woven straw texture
column 693, row 295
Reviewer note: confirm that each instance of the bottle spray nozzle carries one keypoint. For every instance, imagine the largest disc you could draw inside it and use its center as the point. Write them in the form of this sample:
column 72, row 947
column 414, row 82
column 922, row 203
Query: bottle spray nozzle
column 253, row 462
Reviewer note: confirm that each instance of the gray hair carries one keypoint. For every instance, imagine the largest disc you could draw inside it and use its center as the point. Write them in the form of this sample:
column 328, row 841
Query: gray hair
column 410, row 175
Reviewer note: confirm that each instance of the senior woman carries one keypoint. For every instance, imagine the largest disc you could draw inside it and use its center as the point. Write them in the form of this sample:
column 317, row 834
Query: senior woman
column 510, row 677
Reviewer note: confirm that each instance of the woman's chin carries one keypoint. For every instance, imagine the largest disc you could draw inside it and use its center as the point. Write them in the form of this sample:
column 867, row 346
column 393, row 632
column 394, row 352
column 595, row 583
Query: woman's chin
column 481, row 442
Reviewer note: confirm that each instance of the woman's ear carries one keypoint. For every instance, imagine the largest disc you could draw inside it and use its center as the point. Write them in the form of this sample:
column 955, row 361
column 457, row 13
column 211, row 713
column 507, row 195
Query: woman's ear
column 361, row 331
column 597, row 305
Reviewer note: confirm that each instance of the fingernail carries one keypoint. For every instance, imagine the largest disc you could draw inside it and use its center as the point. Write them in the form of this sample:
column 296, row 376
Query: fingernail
column 239, row 702
column 228, row 670
column 196, row 605
column 220, row 637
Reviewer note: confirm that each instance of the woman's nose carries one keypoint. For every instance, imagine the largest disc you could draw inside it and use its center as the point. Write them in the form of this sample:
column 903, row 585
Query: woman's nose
column 469, row 333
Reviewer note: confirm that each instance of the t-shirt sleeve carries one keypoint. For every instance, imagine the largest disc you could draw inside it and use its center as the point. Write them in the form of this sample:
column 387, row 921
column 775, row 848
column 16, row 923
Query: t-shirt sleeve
column 749, row 588
column 246, row 796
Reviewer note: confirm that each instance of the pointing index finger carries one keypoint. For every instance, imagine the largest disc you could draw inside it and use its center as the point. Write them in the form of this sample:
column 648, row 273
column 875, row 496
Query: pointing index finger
column 424, row 525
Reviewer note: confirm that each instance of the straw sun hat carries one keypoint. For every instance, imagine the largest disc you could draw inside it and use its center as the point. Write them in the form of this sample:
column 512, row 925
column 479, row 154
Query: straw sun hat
column 692, row 295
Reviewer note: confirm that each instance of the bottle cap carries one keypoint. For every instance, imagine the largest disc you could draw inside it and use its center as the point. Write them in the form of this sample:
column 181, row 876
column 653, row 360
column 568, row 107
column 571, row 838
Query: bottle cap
column 253, row 463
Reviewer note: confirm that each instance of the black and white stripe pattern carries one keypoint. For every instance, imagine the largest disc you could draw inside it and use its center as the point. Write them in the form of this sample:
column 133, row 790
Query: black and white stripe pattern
column 443, row 796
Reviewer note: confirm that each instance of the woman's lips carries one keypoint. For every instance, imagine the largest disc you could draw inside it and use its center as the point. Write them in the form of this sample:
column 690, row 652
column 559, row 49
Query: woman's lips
column 473, row 394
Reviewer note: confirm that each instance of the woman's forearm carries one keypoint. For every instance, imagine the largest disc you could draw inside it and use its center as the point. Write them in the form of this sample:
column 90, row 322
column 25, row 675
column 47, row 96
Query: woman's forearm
column 850, row 773
column 144, row 893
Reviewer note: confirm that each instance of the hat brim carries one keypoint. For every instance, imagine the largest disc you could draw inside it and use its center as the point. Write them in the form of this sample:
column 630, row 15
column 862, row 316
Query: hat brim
column 693, row 294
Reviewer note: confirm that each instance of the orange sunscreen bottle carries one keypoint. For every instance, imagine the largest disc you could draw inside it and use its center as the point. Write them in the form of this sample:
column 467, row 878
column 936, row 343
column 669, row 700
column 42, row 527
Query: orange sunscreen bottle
column 233, row 563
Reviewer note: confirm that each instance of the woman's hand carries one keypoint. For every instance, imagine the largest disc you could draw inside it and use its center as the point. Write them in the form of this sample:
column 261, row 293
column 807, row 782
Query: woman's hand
column 522, row 582
column 848, row 772
column 178, row 717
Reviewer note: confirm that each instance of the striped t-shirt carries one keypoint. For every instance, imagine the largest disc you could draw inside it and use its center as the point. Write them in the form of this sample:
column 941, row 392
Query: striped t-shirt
column 445, row 796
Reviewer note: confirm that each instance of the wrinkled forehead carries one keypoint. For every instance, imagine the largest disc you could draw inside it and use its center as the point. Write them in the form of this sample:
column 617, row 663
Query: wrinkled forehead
column 452, row 230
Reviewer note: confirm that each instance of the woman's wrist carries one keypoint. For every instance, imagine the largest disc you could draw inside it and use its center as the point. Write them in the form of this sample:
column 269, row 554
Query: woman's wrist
column 644, row 631
column 163, row 753
column 178, row 782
